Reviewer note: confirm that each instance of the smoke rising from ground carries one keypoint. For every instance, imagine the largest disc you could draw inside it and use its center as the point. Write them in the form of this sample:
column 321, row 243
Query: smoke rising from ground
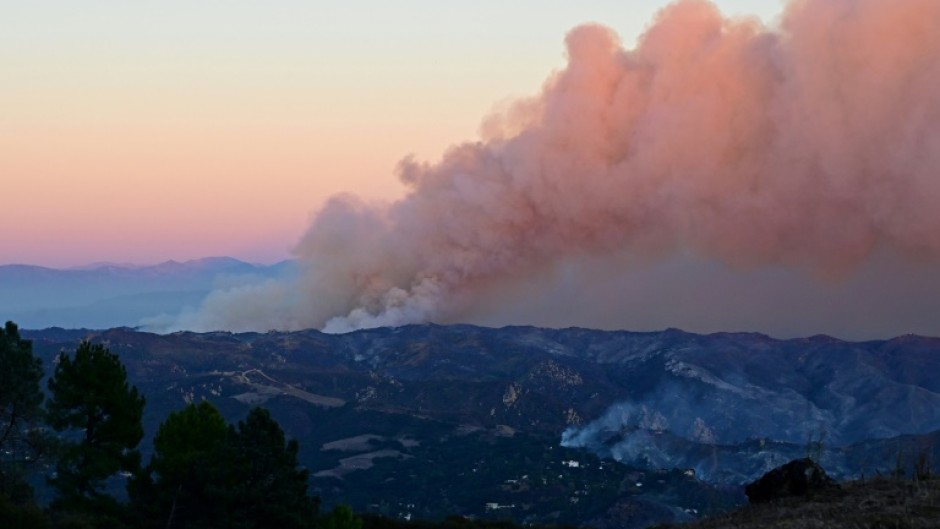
column 812, row 148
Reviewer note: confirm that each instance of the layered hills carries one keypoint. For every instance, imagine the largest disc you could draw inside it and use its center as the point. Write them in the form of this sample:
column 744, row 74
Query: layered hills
column 549, row 425
column 106, row 295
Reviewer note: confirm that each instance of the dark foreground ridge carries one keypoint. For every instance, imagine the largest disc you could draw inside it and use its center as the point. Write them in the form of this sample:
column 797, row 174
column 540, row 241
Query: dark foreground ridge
column 881, row 503
column 800, row 477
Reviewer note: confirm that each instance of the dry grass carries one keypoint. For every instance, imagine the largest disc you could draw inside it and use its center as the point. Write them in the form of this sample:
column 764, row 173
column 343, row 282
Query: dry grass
column 883, row 503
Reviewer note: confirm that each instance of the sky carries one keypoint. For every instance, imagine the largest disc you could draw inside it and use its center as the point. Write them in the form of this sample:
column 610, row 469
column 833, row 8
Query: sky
column 138, row 132
column 736, row 165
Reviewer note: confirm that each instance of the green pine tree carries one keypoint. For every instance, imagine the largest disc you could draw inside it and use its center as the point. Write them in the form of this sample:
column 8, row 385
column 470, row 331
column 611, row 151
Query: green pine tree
column 22, row 440
column 185, row 482
column 271, row 489
column 99, row 413
column 342, row 517
column 205, row 474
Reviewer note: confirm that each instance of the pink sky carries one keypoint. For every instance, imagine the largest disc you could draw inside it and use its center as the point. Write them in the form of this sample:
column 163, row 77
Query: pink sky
column 776, row 152
column 134, row 133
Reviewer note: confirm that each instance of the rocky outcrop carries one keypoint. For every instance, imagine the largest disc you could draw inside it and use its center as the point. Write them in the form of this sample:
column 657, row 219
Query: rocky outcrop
column 796, row 478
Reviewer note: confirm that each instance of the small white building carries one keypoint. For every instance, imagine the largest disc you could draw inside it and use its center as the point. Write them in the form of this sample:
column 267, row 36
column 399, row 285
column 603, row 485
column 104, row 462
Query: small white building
column 493, row 506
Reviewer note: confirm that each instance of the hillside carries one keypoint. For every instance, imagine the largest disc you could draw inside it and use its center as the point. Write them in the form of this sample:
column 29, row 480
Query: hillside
column 880, row 503
column 609, row 429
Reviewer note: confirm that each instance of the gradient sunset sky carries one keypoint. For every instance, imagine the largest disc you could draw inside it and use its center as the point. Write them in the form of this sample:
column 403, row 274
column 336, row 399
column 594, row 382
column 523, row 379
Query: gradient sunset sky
column 146, row 131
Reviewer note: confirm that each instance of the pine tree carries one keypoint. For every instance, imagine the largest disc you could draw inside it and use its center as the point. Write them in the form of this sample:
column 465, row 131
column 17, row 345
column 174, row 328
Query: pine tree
column 100, row 414
column 342, row 517
column 271, row 488
column 205, row 474
column 22, row 440
column 184, row 483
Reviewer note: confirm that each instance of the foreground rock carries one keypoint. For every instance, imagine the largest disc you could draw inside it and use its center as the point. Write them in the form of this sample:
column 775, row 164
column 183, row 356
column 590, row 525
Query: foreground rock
column 877, row 504
column 796, row 478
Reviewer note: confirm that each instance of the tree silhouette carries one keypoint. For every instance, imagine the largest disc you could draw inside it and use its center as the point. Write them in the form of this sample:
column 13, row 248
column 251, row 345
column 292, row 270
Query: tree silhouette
column 22, row 440
column 342, row 517
column 100, row 416
column 270, row 487
column 206, row 474
column 184, row 483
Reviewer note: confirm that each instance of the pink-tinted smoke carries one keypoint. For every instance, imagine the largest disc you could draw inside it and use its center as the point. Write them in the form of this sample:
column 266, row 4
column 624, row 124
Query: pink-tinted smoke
column 813, row 145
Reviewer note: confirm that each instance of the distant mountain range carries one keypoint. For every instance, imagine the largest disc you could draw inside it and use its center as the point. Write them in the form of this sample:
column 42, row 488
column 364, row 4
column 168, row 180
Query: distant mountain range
column 107, row 295
column 608, row 429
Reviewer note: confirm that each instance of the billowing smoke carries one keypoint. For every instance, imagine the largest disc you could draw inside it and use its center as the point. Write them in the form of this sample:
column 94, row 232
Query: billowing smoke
column 811, row 146
column 675, row 426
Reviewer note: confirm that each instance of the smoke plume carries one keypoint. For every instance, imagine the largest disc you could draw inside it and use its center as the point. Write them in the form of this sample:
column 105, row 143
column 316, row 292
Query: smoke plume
column 812, row 145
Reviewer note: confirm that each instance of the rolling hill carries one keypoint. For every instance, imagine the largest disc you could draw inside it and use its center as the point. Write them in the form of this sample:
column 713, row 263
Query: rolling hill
column 609, row 429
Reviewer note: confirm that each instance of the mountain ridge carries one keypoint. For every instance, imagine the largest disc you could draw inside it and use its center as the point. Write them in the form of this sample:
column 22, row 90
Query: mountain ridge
column 109, row 295
column 432, row 399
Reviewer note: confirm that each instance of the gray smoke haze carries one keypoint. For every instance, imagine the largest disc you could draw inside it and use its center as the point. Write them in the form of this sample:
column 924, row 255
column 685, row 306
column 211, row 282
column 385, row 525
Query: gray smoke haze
column 720, row 175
